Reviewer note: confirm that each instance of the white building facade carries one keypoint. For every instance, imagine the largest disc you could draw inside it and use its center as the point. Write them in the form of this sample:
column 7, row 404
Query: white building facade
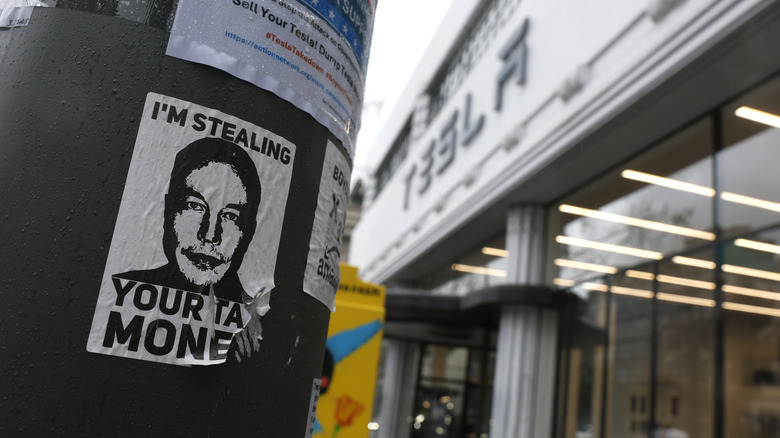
column 622, row 152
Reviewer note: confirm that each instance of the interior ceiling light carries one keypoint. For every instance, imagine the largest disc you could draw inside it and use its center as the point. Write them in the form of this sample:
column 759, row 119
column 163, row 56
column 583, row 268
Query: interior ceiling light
column 641, row 293
column 750, row 272
column 696, row 263
column 640, row 274
column 752, row 309
column 757, row 293
column 585, row 266
column 668, row 182
column 753, row 202
column 649, row 294
column 700, row 190
column 760, row 246
column 685, row 299
column 686, row 282
column 479, row 270
column 642, row 223
column 495, row 252
column 595, row 286
column 563, row 282
column 643, row 253
column 758, row 116
column 672, row 280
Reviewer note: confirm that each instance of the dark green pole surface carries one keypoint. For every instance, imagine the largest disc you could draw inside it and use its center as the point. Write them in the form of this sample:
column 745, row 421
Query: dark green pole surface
column 72, row 91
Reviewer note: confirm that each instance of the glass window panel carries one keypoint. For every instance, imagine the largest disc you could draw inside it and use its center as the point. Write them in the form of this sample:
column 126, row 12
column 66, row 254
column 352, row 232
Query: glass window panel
column 747, row 166
column 688, row 279
column 439, row 403
column 685, row 359
column 444, row 363
column 628, row 387
column 751, row 274
column 752, row 337
column 752, row 375
column 479, row 392
column 661, row 203
column 582, row 370
column 594, row 235
column 479, row 268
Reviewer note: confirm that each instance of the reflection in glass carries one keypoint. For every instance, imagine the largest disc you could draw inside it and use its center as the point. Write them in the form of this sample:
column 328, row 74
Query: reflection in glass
column 628, row 386
column 748, row 163
column 582, row 372
column 752, row 337
column 690, row 299
column 440, row 391
column 481, row 267
column 454, row 392
column 684, row 390
column 752, row 375
column 642, row 211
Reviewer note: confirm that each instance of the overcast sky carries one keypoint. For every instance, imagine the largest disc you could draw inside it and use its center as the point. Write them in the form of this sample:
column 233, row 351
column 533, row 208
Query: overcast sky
column 402, row 30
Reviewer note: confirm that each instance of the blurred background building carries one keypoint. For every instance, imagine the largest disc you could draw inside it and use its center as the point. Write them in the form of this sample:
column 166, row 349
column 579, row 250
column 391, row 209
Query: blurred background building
column 576, row 209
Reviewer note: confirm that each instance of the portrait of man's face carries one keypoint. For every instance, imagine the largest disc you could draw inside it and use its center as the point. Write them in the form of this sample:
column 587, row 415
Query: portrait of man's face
column 208, row 227
column 210, row 210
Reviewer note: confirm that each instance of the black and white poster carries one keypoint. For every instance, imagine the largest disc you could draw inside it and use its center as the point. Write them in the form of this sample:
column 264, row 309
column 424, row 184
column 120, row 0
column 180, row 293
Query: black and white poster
column 194, row 248
column 321, row 279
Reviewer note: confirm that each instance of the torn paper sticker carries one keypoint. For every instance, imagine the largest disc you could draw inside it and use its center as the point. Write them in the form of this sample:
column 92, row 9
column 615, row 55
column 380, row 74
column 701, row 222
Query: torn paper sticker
column 17, row 13
column 321, row 279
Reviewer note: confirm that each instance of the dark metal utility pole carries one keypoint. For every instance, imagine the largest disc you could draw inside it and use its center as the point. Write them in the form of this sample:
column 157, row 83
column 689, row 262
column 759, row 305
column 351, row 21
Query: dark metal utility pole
column 78, row 89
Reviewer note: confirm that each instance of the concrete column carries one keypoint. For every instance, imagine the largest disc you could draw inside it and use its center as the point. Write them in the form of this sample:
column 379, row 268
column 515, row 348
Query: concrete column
column 401, row 362
column 526, row 350
column 525, row 230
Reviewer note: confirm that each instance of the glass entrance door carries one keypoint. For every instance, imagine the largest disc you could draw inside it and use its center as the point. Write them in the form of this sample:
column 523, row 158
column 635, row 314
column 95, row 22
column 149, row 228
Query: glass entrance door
column 454, row 391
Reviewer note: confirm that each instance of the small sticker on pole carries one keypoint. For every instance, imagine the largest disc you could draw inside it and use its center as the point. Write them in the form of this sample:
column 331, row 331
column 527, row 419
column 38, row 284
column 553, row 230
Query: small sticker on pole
column 321, row 279
column 17, row 13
